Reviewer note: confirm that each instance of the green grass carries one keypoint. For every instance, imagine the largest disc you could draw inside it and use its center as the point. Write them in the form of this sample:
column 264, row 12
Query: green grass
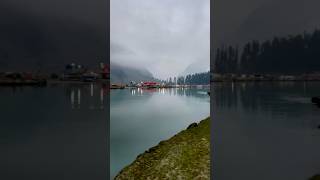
column 184, row 156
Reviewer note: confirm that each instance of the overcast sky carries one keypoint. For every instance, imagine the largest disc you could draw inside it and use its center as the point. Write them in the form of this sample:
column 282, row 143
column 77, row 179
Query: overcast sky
column 237, row 22
column 47, row 34
column 163, row 36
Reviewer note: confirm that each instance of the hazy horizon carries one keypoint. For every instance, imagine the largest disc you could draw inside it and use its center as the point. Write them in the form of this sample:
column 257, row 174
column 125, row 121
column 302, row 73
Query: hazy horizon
column 164, row 37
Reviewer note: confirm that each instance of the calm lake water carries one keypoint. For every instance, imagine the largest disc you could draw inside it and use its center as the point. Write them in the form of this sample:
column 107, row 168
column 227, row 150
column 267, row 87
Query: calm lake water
column 140, row 119
column 54, row 132
column 260, row 130
column 265, row 131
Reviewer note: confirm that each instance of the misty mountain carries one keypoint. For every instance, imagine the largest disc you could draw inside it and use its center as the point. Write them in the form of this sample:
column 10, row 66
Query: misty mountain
column 125, row 74
column 33, row 39
column 195, row 67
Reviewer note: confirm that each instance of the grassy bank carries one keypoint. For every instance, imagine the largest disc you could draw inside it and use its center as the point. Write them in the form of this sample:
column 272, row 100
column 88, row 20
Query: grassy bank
column 184, row 156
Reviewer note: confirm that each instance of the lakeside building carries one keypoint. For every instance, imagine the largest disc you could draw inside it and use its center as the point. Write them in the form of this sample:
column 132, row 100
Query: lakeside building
column 147, row 84
column 75, row 72
column 150, row 84
column 71, row 72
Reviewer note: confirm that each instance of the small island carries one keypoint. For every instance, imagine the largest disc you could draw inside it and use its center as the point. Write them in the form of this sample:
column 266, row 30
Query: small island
column 186, row 155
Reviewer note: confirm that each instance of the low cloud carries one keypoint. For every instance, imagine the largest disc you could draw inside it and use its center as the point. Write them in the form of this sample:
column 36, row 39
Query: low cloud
column 164, row 36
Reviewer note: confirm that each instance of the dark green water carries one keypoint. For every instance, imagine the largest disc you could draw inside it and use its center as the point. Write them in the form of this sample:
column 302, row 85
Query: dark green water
column 265, row 131
column 53, row 132
column 260, row 130
column 140, row 119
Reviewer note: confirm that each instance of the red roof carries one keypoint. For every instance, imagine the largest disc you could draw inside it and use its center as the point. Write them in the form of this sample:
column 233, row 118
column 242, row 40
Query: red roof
column 150, row 83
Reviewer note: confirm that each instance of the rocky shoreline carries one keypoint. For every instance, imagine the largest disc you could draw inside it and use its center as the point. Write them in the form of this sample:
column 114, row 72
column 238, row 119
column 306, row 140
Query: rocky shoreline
column 186, row 155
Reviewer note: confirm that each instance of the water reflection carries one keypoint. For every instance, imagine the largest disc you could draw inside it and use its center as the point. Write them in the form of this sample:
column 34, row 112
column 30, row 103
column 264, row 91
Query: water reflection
column 51, row 129
column 272, row 124
column 199, row 92
column 92, row 96
column 141, row 118
column 287, row 98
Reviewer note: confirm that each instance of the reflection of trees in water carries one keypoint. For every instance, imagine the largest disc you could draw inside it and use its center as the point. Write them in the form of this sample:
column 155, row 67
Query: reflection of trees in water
column 224, row 95
column 119, row 96
column 197, row 93
column 285, row 104
column 286, row 99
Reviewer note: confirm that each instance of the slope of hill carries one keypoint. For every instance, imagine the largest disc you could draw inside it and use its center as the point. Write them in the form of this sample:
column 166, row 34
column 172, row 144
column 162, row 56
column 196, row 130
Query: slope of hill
column 124, row 74
column 196, row 67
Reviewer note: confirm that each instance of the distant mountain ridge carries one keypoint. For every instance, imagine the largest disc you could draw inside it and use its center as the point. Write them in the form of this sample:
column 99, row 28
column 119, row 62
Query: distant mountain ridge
column 196, row 67
column 125, row 74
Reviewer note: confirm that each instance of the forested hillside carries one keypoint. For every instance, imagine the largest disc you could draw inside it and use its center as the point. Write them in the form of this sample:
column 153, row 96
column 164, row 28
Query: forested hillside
column 294, row 54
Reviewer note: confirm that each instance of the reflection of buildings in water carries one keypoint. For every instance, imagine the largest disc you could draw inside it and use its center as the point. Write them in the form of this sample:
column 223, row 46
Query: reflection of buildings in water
column 101, row 98
column 91, row 90
column 75, row 103
column 72, row 98
column 79, row 97
column 162, row 91
column 152, row 90
column 232, row 86
column 138, row 91
column 200, row 93
column 133, row 91
column 105, row 88
column 76, row 95
column 141, row 91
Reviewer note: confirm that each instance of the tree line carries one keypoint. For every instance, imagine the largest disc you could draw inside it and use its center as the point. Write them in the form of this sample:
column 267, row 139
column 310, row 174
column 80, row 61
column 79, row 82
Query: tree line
column 294, row 54
column 191, row 79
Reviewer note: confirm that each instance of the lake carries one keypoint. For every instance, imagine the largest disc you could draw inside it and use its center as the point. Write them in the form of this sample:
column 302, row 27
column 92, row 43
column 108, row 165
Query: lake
column 266, row 130
column 54, row 132
column 141, row 118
